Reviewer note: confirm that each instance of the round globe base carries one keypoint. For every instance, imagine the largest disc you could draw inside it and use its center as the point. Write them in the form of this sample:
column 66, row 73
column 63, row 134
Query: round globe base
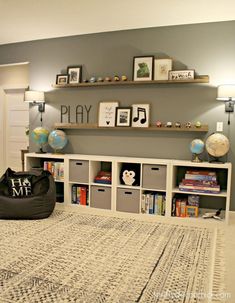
column 196, row 158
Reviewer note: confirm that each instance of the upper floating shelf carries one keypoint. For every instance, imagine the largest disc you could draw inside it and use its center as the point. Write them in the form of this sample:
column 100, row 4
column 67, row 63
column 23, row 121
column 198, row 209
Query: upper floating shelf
column 198, row 79
column 203, row 128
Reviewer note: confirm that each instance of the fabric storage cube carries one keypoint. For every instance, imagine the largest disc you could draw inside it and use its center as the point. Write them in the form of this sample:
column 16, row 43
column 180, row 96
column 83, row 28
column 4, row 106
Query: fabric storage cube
column 154, row 176
column 100, row 197
column 128, row 200
column 79, row 171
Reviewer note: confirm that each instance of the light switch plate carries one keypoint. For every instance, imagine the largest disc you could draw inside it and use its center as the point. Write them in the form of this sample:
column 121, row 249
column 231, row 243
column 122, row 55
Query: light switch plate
column 219, row 126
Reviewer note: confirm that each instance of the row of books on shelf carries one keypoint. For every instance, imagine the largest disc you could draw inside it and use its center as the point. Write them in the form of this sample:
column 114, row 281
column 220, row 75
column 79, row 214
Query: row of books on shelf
column 200, row 181
column 55, row 168
column 185, row 206
column 153, row 203
column 79, row 194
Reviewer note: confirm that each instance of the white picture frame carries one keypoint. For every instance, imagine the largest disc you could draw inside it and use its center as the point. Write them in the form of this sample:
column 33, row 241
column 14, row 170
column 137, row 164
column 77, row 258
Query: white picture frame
column 140, row 115
column 162, row 68
column 107, row 113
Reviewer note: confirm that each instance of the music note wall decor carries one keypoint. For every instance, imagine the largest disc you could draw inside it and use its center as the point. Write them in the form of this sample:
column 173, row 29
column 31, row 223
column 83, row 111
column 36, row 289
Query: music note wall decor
column 140, row 115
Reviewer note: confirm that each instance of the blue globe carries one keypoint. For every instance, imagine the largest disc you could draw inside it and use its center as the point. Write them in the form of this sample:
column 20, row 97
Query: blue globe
column 197, row 146
column 57, row 139
column 40, row 136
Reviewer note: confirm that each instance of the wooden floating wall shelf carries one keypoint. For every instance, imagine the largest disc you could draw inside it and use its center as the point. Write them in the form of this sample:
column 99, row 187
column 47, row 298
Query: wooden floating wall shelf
column 198, row 79
column 203, row 128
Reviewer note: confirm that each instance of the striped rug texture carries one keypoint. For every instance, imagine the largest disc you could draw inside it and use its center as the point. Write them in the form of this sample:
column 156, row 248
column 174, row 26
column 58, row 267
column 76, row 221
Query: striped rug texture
column 72, row 257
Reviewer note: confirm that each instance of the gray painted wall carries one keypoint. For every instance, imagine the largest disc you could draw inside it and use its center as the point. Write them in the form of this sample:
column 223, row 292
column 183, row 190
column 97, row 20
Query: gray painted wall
column 208, row 48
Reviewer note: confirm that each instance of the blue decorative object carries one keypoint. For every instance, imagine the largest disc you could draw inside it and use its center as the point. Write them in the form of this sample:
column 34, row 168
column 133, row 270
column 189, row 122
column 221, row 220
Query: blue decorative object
column 40, row 137
column 57, row 140
column 197, row 147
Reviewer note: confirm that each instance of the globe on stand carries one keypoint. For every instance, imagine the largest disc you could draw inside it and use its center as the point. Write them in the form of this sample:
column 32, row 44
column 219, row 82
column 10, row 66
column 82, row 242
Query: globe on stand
column 217, row 146
column 197, row 147
column 57, row 140
column 40, row 137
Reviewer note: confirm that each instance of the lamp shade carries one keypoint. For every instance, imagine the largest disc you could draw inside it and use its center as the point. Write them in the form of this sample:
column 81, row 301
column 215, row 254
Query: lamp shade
column 226, row 92
column 34, row 96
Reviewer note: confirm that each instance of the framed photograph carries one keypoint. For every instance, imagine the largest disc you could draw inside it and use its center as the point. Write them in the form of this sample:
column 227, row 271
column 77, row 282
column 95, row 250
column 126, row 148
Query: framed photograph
column 162, row 68
column 191, row 211
column 75, row 74
column 143, row 68
column 140, row 115
column 123, row 116
column 107, row 113
column 62, row 79
column 181, row 74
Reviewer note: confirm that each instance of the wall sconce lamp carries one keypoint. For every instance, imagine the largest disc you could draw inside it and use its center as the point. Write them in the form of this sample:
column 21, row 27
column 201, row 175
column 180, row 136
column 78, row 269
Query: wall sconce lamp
column 36, row 98
column 226, row 93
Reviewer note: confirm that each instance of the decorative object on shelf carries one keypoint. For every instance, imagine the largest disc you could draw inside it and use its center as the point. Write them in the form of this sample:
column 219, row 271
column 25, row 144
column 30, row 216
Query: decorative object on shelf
column 124, row 78
column 143, row 68
column 140, row 115
column 178, row 75
column 188, row 124
column 85, row 81
column 168, row 124
column 198, row 124
column 214, row 215
column 162, row 68
column 81, row 111
column 226, row 93
column 57, row 140
column 100, row 79
column 62, row 79
column 217, row 146
column 130, row 174
column 107, row 113
column 123, row 116
column 159, row 123
column 191, row 211
column 116, row 78
column 177, row 124
column 92, row 80
column 107, row 79
column 40, row 136
column 75, row 74
column 197, row 147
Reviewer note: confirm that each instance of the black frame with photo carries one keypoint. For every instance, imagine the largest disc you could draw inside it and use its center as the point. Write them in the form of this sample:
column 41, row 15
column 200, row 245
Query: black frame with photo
column 77, row 76
column 124, row 120
column 140, row 74
column 62, row 76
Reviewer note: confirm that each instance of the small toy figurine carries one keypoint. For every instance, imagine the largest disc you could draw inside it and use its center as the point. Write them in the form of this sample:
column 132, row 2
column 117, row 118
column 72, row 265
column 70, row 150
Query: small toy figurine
column 85, row 81
column 124, row 78
column 168, row 124
column 198, row 124
column 116, row 78
column 128, row 177
column 215, row 215
column 188, row 125
column 159, row 124
column 100, row 79
column 177, row 124
column 107, row 79
column 92, row 79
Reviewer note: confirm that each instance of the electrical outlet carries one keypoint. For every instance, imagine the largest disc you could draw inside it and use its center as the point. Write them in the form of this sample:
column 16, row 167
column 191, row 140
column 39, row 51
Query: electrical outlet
column 219, row 126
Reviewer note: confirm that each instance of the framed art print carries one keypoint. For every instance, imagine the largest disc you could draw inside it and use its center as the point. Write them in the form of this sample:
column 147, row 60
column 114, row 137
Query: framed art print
column 62, row 79
column 107, row 113
column 75, row 74
column 143, row 68
column 140, row 115
column 123, row 116
column 162, row 68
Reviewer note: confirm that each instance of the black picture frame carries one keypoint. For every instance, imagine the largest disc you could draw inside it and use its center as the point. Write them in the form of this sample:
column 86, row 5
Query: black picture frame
column 143, row 68
column 123, row 116
column 75, row 74
column 62, row 79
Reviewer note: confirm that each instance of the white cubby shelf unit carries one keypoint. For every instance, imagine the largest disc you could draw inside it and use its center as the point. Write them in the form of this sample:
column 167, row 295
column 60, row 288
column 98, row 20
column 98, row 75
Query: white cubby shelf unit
column 160, row 176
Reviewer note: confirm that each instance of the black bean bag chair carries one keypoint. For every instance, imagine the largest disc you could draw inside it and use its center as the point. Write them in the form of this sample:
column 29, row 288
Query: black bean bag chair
column 27, row 195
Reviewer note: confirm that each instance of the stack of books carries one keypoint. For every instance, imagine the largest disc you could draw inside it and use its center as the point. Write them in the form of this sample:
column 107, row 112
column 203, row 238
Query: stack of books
column 153, row 203
column 79, row 194
column 104, row 177
column 200, row 181
column 55, row 168
column 185, row 206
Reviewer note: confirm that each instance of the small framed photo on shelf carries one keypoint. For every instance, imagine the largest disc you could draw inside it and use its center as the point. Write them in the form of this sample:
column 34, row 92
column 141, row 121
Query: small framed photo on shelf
column 178, row 75
column 191, row 211
column 62, row 79
column 75, row 74
column 143, row 68
column 140, row 115
column 162, row 68
column 123, row 116
column 107, row 113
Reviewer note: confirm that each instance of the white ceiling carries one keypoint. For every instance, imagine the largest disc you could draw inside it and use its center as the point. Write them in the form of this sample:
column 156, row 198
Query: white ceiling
column 25, row 20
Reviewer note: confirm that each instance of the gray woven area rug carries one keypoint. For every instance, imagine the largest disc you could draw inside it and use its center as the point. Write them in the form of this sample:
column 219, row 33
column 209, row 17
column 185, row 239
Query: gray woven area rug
column 72, row 257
